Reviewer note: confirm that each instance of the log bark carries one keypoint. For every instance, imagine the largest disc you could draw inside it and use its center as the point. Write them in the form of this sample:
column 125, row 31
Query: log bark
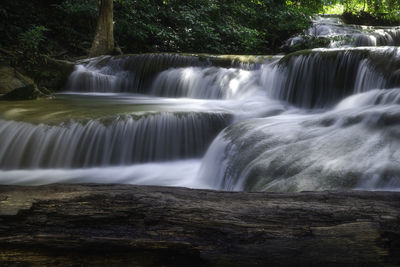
column 108, row 225
column 103, row 42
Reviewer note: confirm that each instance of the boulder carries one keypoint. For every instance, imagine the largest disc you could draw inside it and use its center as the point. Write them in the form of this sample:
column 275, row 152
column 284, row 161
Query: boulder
column 11, row 79
column 27, row 92
column 53, row 74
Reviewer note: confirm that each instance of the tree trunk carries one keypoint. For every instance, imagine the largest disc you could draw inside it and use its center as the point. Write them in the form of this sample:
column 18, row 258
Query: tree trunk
column 109, row 225
column 103, row 42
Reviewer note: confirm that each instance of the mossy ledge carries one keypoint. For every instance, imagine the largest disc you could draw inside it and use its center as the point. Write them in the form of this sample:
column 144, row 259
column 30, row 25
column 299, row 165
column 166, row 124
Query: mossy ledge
column 225, row 61
column 326, row 53
column 383, row 58
column 103, row 225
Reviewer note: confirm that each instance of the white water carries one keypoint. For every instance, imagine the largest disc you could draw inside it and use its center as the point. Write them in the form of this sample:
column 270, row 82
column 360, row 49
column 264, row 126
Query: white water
column 313, row 120
column 119, row 141
column 321, row 77
column 343, row 35
column 175, row 173
column 355, row 145
column 207, row 83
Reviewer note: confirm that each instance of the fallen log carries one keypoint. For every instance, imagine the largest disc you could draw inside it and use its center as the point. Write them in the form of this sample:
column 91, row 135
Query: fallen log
column 106, row 225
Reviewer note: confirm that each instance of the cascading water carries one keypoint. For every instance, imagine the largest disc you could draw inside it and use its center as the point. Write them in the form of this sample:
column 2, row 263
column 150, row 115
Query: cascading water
column 355, row 145
column 342, row 35
column 312, row 120
column 116, row 141
column 206, row 83
column 321, row 77
column 125, row 74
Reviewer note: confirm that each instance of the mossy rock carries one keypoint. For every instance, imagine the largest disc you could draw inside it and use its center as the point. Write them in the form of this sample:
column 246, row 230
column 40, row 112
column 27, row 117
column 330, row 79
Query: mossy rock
column 53, row 74
column 28, row 92
column 11, row 79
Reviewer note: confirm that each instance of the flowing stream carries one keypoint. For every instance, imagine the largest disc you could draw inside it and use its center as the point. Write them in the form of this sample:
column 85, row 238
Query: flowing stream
column 312, row 120
column 343, row 35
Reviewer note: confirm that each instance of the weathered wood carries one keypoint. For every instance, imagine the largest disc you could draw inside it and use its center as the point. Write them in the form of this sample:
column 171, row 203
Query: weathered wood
column 107, row 225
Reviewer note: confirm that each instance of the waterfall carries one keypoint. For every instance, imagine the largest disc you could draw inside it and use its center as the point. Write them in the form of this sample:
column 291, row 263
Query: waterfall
column 311, row 79
column 321, row 77
column 355, row 145
column 374, row 97
column 170, row 75
column 206, row 83
column 320, row 119
column 125, row 73
column 114, row 141
column 349, row 35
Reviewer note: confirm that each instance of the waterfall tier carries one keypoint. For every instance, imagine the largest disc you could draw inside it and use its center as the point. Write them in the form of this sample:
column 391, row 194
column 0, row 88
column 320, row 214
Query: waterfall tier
column 114, row 141
column 322, row 77
column 136, row 73
column 311, row 79
column 125, row 73
column 342, row 35
column 356, row 145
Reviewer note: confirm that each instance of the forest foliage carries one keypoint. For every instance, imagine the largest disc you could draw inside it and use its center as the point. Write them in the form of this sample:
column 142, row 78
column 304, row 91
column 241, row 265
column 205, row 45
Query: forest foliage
column 210, row 26
column 202, row 26
column 367, row 12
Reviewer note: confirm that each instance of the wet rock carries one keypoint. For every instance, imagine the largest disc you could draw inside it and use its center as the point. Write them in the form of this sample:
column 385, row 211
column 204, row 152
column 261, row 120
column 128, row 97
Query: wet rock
column 27, row 92
column 11, row 79
column 119, row 225
column 53, row 74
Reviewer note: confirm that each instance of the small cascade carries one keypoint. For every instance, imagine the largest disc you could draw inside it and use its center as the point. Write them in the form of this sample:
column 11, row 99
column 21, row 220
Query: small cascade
column 113, row 141
column 320, row 78
column 132, row 74
column 207, row 83
column 342, row 35
column 169, row 75
column 374, row 97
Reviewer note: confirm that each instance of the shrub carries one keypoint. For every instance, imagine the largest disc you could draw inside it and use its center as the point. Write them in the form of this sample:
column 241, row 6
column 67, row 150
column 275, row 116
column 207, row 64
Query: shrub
column 31, row 40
